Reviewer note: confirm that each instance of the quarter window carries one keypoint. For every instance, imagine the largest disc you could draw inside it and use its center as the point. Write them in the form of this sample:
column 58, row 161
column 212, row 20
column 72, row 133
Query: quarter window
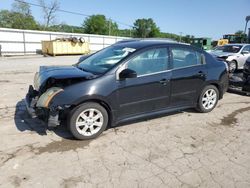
column 150, row 61
column 183, row 57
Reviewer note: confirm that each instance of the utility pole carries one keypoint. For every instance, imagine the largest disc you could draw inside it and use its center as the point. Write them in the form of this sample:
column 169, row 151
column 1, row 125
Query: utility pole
column 247, row 19
column 180, row 36
column 109, row 26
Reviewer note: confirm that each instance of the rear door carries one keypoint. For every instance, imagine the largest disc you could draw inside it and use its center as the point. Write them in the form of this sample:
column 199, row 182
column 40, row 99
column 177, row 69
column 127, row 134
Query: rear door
column 150, row 90
column 188, row 75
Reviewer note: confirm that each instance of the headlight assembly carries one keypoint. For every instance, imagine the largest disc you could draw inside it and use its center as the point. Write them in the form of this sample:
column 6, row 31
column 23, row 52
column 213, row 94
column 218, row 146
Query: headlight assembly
column 36, row 81
column 46, row 97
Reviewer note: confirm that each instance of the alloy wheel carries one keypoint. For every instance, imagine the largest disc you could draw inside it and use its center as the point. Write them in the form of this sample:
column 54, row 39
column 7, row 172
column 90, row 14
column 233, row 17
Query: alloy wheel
column 209, row 99
column 89, row 122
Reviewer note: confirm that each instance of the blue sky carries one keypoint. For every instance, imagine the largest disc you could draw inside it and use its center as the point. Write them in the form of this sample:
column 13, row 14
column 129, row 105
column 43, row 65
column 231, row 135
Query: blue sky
column 202, row 18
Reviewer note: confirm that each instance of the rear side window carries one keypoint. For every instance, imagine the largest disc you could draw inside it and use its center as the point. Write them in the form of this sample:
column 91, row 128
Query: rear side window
column 150, row 61
column 183, row 57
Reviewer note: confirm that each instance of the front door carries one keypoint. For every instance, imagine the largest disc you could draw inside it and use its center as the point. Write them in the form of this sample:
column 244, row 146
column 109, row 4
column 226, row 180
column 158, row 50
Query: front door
column 150, row 90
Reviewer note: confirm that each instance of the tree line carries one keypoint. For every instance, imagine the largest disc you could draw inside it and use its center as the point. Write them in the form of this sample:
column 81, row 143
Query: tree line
column 20, row 17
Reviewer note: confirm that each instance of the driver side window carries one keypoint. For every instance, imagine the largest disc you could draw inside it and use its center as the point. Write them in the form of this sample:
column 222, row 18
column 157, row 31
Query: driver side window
column 150, row 61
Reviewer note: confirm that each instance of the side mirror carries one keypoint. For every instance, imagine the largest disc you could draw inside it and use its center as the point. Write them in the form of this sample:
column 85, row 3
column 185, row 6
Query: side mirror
column 127, row 73
column 245, row 52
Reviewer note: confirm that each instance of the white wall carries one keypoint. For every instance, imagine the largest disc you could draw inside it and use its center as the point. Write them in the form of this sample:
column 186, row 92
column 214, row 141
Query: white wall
column 21, row 42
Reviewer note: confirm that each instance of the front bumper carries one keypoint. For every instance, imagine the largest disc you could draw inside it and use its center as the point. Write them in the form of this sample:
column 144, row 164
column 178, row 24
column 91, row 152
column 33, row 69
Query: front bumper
column 31, row 102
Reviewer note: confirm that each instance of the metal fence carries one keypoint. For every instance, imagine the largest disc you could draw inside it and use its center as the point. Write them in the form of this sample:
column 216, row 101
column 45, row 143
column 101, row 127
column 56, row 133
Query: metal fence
column 24, row 42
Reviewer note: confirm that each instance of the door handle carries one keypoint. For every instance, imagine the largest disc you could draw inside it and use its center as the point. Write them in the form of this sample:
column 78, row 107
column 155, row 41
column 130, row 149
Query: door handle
column 201, row 74
column 164, row 81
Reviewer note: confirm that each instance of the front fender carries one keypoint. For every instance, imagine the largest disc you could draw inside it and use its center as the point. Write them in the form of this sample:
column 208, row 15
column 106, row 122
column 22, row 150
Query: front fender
column 91, row 90
column 231, row 58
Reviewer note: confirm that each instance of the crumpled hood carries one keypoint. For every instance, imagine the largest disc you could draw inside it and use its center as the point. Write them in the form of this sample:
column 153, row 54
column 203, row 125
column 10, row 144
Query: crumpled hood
column 59, row 73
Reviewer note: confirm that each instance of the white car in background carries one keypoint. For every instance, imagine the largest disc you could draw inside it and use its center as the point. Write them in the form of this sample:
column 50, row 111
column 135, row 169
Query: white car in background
column 234, row 54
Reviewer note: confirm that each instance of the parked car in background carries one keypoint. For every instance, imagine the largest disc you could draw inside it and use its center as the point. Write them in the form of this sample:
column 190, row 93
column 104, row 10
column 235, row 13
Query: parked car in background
column 234, row 54
column 127, row 81
column 240, row 81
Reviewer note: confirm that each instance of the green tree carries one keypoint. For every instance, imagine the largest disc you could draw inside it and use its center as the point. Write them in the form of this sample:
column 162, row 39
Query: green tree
column 241, row 36
column 187, row 38
column 170, row 36
column 66, row 28
column 98, row 24
column 146, row 28
column 112, row 28
column 239, row 32
column 125, row 32
column 17, row 20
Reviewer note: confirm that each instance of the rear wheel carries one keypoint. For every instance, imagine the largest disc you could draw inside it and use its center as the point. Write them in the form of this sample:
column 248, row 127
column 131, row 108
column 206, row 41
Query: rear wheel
column 208, row 99
column 232, row 65
column 88, row 121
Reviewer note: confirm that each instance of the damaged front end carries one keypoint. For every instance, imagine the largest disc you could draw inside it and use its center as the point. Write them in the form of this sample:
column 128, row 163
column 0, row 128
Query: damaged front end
column 48, row 83
column 38, row 106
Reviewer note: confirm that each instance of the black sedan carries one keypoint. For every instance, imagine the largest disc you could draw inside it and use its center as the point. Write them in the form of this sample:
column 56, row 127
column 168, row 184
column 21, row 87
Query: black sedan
column 127, row 81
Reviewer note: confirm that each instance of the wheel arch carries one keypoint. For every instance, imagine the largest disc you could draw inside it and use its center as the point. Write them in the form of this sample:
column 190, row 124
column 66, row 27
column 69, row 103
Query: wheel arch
column 100, row 102
column 237, row 64
column 218, row 87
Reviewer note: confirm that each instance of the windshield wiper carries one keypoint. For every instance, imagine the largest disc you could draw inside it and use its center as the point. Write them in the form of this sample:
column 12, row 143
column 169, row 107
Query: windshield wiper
column 81, row 68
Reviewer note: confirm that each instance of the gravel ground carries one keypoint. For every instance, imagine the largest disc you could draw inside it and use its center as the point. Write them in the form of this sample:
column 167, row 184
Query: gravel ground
column 183, row 149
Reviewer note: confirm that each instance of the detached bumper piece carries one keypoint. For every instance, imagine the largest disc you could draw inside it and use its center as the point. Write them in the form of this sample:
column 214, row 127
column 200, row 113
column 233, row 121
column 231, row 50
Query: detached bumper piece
column 53, row 120
column 30, row 101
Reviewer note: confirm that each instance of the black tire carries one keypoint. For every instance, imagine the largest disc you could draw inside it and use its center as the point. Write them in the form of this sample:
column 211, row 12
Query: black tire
column 200, row 106
column 74, row 116
column 232, row 65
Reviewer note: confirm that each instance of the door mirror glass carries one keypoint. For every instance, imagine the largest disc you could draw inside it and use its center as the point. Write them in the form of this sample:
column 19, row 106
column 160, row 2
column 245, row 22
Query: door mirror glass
column 127, row 73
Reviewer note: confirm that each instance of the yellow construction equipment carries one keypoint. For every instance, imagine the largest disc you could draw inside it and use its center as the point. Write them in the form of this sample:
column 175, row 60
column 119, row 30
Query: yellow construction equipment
column 222, row 42
column 231, row 38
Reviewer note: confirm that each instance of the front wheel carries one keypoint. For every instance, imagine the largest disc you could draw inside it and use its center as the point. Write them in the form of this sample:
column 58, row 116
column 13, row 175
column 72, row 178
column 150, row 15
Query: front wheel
column 88, row 121
column 208, row 99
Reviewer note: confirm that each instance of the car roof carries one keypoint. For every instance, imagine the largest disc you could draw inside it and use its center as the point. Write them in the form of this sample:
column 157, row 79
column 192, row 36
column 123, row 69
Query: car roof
column 142, row 43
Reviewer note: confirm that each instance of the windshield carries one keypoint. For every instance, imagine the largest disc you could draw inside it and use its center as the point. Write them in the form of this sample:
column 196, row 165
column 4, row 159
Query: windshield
column 230, row 48
column 105, row 59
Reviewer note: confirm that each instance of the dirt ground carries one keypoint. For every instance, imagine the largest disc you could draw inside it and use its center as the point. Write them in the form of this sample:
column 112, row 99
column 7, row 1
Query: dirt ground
column 183, row 149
